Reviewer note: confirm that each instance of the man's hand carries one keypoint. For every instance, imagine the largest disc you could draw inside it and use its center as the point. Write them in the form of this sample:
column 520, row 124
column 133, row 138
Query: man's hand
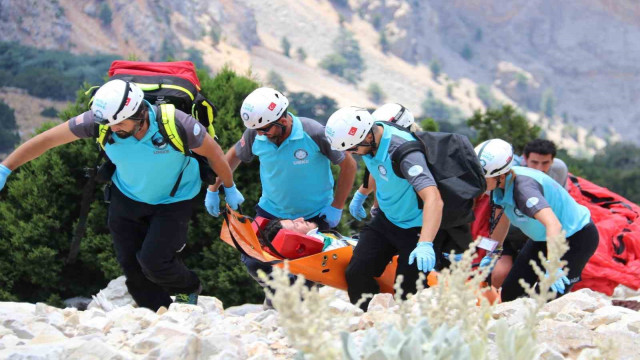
column 425, row 255
column 559, row 285
column 331, row 215
column 233, row 197
column 4, row 173
column 212, row 203
column 355, row 207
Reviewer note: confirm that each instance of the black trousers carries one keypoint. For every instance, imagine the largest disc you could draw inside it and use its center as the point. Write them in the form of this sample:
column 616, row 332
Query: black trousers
column 582, row 245
column 147, row 239
column 253, row 265
column 379, row 241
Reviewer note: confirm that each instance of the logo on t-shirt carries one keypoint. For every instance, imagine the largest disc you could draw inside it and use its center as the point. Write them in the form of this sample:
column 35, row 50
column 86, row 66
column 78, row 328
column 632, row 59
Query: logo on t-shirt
column 415, row 170
column 196, row 130
column 353, row 130
column 159, row 141
column 532, row 201
column 382, row 170
column 301, row 155
column 518, row 213
column 272, row 106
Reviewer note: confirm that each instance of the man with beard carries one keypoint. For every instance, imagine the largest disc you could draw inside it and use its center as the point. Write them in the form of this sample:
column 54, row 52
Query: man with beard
column 153, row 187
column 295, row 166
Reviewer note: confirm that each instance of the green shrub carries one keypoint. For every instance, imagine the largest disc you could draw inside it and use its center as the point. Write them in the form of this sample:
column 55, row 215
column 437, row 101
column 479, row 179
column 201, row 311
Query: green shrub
column 50, row 112
column 8, row 128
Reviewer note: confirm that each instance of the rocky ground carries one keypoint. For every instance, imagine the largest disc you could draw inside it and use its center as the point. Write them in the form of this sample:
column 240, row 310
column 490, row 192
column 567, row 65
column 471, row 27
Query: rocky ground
column 580, row 325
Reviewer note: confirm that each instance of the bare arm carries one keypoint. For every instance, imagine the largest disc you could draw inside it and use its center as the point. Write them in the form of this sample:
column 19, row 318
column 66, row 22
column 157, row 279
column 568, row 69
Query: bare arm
column 431, row 213
column 39, row 144
column 502, row 228
column 233, row 161
column 550, row 222
column 345, row 181
column 214, row 154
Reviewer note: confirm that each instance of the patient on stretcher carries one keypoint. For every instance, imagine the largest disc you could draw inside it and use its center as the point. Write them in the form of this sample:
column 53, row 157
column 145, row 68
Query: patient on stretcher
column 296, row 238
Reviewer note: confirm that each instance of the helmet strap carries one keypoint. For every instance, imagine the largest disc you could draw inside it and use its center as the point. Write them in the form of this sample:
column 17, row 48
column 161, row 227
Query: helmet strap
column 123, row 102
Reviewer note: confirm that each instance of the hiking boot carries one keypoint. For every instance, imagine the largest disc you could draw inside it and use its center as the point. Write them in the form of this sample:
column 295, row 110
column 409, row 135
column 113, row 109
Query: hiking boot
column 191, row 299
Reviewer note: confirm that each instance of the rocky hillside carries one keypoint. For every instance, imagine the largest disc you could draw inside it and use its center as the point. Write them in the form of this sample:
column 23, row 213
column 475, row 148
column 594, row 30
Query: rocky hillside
column 580, row 325
column 577, row 57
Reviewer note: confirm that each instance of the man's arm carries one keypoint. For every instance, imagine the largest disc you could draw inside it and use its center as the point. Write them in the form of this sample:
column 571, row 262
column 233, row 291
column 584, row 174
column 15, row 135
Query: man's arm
column 550, row 222
column 214, row 154
column 345, row 181
column 502, row 228
column 431, row 213
column 40, row 144
column 233, row 161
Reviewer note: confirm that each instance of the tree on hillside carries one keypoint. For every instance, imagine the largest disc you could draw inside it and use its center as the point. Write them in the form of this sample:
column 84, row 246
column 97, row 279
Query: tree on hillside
column 346, row 60
column 439, row 111
column 616, row 167
column 286, row 46
column 105, row 15
column 308, row 105
column 275, row 81
column 504, row 123
column 375, row 93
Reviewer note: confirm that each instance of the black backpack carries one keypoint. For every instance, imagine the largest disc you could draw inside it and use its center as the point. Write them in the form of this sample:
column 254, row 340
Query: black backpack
column 455, row 167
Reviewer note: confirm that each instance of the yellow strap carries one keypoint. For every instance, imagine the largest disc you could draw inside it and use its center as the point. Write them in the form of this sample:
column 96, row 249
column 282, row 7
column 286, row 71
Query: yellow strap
column 168, row 121
column 210, row 128
column 152, row 87
column 102, row 133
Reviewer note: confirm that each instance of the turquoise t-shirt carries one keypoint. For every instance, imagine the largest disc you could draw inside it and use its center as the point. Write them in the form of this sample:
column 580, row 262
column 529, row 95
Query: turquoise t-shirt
column 296, row 176
column 397, row 197
column 531, row 191
column 147, row 169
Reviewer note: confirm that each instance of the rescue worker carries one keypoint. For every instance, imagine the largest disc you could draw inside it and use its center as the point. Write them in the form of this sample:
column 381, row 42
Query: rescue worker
column 394, row 113
column 542, row 209
column 538, row 154
column 148, row 225
column 295, row 166
column 401, row 227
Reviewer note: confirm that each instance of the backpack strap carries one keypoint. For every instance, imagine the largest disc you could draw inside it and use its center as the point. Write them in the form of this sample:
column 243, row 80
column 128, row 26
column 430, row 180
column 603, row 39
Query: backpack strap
column 103, row 135
column 401, row 152
column 170, row 129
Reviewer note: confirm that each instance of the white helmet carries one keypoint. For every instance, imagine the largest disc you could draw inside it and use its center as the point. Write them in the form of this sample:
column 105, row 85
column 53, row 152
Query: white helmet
column 395, row 113
column 496, row 157
column 263, row 106
column 348, row 127
column 115, row 101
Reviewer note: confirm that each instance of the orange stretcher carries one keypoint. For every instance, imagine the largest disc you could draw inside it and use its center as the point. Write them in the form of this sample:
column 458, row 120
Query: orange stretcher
column 327, row 268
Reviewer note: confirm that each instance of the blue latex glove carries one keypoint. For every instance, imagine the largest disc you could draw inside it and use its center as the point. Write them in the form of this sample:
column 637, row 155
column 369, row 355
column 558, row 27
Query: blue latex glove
column 4, row 174
column 331, row 215
column 233, row 197
column 212, row 202
column 425, row 255
column 457, row 257
column 558, row 286
column 355, row 207
column 486, row 261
